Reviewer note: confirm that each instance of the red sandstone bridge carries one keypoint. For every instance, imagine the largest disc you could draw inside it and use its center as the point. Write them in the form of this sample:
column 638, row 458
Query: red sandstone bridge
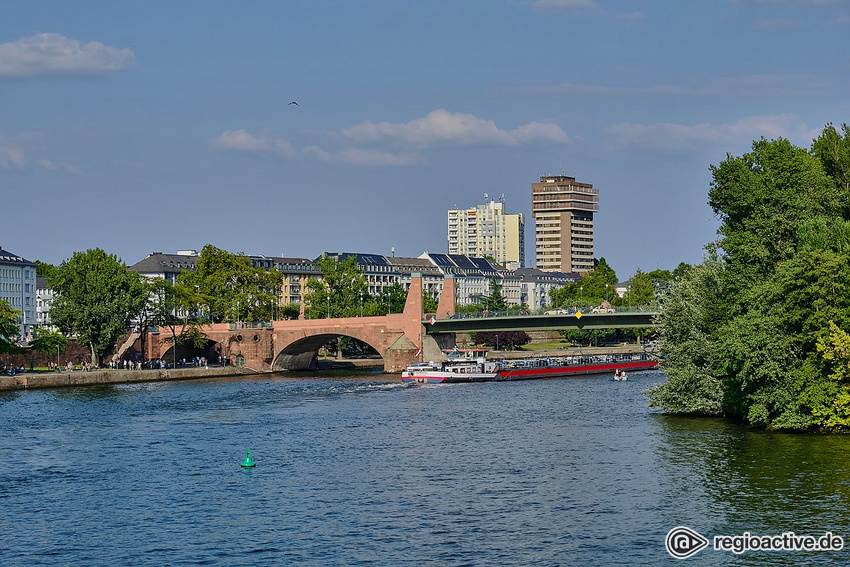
column 400, row 338
column 294, row 345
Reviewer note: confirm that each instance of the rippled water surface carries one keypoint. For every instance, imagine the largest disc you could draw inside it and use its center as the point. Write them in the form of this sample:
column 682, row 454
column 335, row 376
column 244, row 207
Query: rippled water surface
column 365, row 471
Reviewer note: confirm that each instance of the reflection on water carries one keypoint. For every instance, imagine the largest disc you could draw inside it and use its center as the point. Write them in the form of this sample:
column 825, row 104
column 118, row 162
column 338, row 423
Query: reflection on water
column 362, row 470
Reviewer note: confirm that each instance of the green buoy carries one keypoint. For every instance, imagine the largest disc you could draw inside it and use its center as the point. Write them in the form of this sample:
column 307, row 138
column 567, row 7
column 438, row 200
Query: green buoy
column 248, row 463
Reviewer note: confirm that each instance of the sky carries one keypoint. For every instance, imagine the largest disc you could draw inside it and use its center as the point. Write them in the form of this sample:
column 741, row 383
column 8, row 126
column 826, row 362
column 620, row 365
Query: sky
column 159, row 126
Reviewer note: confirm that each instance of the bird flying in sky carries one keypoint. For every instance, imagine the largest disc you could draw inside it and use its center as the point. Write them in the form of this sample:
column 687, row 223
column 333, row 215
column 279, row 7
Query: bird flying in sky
column 293, row 102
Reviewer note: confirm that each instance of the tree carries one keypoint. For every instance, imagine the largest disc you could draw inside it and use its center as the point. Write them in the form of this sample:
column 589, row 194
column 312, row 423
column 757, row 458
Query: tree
column 759, row 331
column 429, row 304
column 290, row 311
column 594, row 287
column 640, row 290
column 44, row 269
column 173, row 306
column 96, row 299
column 833, row 151
column 681, row 270
column 762, row 198
column 10, row 332
column 48, row 342
column 230, row 289
column 494, row 301
column 340, row 292
column 390, row 300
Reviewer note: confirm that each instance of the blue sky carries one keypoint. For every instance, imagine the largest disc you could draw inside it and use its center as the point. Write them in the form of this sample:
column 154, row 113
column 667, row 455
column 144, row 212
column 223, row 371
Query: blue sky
column 156, row 126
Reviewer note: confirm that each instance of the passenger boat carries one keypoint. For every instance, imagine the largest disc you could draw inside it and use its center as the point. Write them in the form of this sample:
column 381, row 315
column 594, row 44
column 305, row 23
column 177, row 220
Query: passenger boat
column 473, row 366
column 462, row 366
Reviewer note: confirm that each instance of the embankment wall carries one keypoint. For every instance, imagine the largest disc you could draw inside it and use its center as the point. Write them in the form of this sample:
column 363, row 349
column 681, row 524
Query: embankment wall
column 30, row 381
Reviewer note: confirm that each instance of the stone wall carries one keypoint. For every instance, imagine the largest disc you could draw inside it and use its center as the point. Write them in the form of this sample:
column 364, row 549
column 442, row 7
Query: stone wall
column 64, row 379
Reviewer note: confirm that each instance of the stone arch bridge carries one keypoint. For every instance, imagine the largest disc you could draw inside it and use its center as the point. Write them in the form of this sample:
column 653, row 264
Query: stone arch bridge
column 294, row 345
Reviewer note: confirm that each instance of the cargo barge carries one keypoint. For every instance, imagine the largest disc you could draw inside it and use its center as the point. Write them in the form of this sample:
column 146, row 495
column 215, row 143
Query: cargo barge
column 472, row 366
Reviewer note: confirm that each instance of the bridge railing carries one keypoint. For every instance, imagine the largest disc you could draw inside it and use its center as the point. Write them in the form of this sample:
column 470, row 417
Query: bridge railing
column 251, row 325
column 555, row 311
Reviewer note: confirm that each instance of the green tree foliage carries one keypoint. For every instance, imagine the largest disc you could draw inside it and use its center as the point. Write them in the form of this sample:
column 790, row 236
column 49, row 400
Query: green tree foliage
column 390, row 300
column 494, row 301
column 340, row 292
column 592, row 289
column 44, row 269
column 469, row 308
column 175, row 307
column 96, row 299
column 9, row 329
column 429, row 304
column 229, row 288
column 762, row 199
column 290, row 311
column 691, row 312
column 759, row 330
column 47, row 342
column 681, row 270
column 833, row 150
column 640, row 290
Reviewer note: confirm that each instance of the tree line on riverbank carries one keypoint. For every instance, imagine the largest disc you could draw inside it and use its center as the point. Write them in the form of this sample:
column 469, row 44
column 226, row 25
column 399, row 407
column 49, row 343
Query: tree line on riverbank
column 759, row 330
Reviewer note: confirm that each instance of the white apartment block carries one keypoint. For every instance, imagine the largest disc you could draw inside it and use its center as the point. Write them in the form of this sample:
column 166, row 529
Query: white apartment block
column 17, row 288
column 487, row 230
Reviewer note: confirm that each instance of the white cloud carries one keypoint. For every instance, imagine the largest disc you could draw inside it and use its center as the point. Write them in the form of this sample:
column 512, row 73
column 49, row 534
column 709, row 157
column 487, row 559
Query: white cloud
column 444, row 128
column 396, row 144
column 675, row 138
column 10, row 156
column 17, row 152
column 242, row 141
column 55, row 54
column 57, row 166
column 363, row 156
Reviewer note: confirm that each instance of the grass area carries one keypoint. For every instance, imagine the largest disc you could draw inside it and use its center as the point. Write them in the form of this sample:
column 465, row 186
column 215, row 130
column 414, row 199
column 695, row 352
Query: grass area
column 552, row 345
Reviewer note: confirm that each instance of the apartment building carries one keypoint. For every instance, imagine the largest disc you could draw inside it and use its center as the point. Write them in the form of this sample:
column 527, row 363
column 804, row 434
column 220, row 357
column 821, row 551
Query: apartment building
column 488, row 230
column 17, row 288
column 563, row 223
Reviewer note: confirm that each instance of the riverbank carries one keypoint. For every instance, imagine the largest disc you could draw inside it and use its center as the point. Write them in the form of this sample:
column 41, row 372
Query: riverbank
column 41, row 380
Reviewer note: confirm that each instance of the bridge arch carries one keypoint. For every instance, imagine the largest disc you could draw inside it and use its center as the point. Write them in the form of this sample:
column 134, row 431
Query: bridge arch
column 302, row 354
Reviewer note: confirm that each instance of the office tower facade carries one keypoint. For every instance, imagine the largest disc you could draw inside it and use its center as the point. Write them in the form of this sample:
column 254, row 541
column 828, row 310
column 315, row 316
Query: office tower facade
column 487, row 230
column 563, row 223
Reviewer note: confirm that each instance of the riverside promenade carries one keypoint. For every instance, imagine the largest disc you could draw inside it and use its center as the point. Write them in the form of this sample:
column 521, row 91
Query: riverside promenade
column 41, row 380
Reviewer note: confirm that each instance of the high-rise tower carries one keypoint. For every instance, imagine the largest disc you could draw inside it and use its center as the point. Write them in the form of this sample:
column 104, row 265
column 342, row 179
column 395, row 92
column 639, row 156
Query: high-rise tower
column 563, row 223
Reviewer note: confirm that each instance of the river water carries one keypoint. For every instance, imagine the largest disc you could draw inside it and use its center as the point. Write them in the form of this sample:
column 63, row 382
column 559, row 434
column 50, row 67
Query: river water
column 365, row 471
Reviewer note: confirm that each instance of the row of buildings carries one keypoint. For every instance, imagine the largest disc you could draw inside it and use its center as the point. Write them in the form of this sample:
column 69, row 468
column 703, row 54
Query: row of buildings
column 473, row 275
column 29, row 293
column 485, row 243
